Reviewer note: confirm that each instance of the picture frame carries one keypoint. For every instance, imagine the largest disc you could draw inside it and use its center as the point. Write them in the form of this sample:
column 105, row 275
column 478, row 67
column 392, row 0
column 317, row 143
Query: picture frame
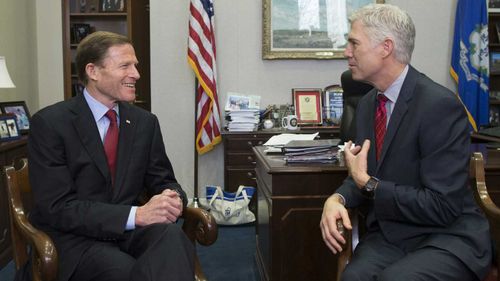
column 80, row 31
column 495, row 62
column 307, row 103
column 112, row 6
column 8, row 128
column 290, row 32
column 333, row 104
column 493, row 6
column 21, row 114
column 89, row 6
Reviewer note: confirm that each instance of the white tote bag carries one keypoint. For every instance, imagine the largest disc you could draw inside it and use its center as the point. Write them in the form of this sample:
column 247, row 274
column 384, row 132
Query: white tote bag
column 230, row 208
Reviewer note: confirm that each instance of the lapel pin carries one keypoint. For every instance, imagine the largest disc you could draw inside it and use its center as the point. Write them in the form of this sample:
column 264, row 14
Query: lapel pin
column 128, row 121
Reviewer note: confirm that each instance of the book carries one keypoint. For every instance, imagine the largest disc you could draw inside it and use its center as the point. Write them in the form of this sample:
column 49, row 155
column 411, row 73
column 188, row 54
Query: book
column 328, row 157
column 300, row 144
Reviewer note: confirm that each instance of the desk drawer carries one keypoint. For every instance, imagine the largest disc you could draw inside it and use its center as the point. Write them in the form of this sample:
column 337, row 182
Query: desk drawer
column 244, row 144
column 237, row 177
column 240, row 159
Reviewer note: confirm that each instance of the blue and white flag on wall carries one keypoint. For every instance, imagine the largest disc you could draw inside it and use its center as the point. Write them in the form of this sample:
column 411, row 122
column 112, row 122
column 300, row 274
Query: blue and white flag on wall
column 470, row 59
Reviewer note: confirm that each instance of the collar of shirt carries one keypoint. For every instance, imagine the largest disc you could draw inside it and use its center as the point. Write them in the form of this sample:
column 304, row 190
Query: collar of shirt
column 392, row 93
column 98, row 111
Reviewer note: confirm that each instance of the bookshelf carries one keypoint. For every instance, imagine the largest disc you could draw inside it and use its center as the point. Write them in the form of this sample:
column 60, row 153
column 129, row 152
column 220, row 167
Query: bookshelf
column 81, row 17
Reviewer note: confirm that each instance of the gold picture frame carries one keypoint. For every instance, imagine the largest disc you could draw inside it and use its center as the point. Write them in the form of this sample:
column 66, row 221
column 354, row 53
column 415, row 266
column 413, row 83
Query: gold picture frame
column 281, row 40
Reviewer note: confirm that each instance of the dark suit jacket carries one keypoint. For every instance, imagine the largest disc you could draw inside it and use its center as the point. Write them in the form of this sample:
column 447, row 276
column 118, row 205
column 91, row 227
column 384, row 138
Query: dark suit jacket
column 423, row 197
column 75, row 202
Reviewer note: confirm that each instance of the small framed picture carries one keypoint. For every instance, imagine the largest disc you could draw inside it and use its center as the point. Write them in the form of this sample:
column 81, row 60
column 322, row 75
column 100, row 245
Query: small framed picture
column 333, row 104
column 308, row 106
column 80, row 31
column 19, row 111
column 8, row 128
column 493, row 6
column 495, row 62
column 112, row 6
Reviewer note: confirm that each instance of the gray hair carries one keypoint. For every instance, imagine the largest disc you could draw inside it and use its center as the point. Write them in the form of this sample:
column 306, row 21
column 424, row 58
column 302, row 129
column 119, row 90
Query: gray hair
column 388, row 21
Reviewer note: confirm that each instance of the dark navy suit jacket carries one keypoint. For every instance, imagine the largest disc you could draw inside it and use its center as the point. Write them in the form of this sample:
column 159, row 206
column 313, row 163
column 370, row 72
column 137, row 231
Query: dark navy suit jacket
column 423, row 198
column 75, row 201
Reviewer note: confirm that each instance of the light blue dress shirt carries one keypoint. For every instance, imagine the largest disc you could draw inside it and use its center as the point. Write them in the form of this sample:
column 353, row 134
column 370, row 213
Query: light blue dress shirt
column 99, row 111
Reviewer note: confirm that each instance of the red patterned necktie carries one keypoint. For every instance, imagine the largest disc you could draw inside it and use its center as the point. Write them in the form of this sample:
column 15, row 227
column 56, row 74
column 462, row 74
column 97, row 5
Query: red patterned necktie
column 111, row 142
column 380, row 123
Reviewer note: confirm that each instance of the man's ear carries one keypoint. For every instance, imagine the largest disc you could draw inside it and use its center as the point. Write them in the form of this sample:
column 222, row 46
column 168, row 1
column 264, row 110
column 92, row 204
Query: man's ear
column 388, row 47
column 92, row 71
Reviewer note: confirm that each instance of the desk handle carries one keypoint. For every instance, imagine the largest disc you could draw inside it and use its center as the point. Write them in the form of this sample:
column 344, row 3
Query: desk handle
column 250, row 158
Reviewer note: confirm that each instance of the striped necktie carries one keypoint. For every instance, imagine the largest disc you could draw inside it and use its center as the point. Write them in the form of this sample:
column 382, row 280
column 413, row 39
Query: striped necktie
column 380, row 123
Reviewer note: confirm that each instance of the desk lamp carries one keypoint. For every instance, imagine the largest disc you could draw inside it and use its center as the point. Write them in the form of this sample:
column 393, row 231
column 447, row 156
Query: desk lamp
column 5, row 81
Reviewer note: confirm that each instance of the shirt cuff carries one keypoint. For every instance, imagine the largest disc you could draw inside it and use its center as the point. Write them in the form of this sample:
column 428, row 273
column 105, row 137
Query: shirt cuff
column 341, row 198
column 131, row 219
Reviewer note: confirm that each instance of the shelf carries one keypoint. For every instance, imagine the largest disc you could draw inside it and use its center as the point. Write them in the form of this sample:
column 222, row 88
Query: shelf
column 494, row 101
column 133, row 22
column 97, row 15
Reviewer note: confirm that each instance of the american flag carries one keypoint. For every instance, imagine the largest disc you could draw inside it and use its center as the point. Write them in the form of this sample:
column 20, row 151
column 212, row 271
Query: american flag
column 201, row 57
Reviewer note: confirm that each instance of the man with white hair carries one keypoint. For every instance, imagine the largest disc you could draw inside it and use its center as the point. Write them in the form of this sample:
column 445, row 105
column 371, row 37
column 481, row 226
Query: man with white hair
column 409, row 167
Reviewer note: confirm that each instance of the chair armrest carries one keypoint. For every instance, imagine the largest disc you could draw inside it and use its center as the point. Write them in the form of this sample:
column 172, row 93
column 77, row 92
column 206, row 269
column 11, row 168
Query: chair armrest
column 43, row 252
column 200, row 226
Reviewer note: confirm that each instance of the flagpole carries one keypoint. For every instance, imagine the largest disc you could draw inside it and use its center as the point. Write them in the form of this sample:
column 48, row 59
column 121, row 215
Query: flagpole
column 195, row 203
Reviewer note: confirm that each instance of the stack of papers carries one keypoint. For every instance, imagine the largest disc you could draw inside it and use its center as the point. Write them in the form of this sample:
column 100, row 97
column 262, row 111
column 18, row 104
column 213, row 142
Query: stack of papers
column 328, row 156
column 242, row 112
column 242, row 120
column 311, row 151
column 276, row 143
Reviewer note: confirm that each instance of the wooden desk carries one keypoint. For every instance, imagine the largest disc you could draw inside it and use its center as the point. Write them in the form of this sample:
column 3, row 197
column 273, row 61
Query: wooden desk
column 239, row 160
column 289, row 207
column 8, row 152
column 290, row 202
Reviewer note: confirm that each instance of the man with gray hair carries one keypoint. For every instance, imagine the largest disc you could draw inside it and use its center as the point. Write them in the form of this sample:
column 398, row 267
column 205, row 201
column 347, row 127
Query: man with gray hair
column 409, row 166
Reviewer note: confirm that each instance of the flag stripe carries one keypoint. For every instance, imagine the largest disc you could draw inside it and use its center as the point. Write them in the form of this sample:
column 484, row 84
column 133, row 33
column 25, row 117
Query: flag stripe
column 202, row 59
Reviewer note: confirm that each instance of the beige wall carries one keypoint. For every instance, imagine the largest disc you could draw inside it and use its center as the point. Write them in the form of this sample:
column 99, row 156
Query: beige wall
column 35, row 62
column 241, row 69
column 49, row 52
column 17, row 44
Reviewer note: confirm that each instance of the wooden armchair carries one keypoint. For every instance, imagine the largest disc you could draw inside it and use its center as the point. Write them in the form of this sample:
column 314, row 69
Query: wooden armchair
column 492, row 212
column 198, row 224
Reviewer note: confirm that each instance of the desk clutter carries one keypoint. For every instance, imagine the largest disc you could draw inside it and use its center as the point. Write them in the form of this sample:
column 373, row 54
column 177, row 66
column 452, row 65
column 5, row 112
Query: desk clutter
column 303, row 148
column 310, row 107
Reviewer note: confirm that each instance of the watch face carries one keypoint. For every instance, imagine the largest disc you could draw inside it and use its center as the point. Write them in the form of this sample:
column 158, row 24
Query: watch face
column 371, row 184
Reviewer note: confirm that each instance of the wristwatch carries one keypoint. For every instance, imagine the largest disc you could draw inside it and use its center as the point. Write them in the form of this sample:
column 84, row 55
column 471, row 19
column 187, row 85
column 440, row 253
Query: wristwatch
column 370, row 186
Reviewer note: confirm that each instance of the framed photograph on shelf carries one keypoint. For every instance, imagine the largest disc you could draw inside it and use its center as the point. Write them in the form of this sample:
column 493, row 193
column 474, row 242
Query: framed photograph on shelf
column 307, row 103
column 89, row 6
column 19, row 111
column 80, row 31
column 8, row 128
column 495, row 62
column 494, row 6
column 333, row 105
column 305, row 29
column 112, row 6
